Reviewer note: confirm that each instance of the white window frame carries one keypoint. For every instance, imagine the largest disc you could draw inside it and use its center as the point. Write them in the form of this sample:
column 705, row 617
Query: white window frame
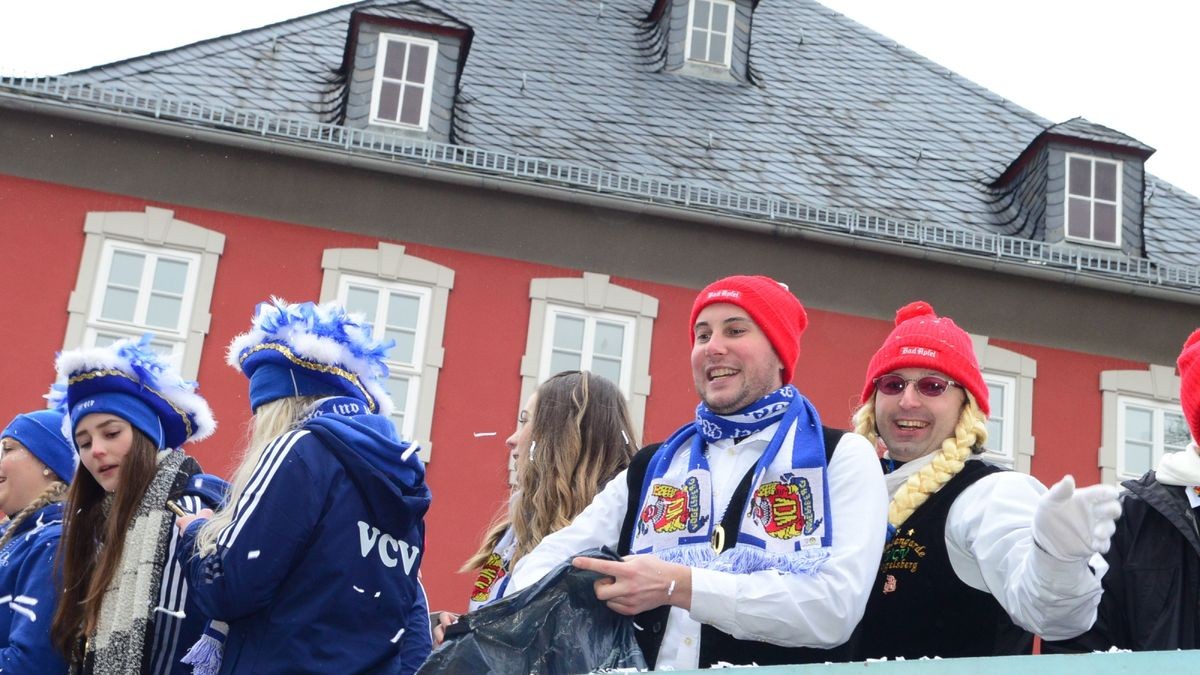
column 389, row 266
column 691, row 29
column 1157, row 386
column 553, row 311
column 424, row 295
column 1003, row 453
column 153, row 232
column 591, row 294
column 387, row 41
column 1158, row 429
column 176, row 336
column 1092, row 200
column 1018, row 373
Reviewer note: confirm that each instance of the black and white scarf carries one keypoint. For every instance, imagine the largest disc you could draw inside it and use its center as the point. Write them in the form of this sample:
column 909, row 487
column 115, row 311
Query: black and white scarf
column 119, row 646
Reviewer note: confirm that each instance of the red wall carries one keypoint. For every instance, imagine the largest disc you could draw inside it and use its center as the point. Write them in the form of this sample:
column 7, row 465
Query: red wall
column 479, row 385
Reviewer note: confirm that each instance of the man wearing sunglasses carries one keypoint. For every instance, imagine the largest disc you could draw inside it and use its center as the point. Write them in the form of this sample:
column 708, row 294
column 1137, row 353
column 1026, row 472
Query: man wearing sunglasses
column 978, row 558
column 754, row 532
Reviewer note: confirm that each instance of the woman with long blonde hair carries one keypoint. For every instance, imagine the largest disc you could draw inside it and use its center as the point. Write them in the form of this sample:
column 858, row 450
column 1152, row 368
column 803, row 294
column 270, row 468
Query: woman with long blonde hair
column 573, row 436
column 312, row 565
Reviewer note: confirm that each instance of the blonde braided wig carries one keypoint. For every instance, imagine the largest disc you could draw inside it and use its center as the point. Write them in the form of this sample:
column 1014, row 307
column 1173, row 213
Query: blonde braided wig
column 53, row 493
column 969, row 436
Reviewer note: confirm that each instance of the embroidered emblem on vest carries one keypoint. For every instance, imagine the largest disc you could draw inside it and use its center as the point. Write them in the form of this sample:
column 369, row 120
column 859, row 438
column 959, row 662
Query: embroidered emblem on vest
column 902, row 554
column 784, row 509
column 673, row 508
column 492, row 571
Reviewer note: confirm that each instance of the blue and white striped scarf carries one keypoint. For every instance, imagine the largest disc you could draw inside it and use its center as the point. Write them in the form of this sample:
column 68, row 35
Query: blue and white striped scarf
column 785, row 522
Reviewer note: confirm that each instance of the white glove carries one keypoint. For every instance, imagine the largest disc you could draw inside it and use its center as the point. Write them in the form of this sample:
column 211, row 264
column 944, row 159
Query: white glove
column 1072, row 524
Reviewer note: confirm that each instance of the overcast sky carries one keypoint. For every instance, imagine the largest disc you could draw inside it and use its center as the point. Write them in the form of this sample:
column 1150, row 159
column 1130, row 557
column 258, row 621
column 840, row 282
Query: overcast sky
column 1129, row 65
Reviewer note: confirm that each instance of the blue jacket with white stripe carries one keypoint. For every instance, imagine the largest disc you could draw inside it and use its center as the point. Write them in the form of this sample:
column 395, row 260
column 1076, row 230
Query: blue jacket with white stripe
column 28, row 596
column 317, row 572
column 178, row 622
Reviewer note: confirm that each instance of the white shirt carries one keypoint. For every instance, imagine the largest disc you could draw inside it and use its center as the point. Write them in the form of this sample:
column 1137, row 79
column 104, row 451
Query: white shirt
column 989, row 539
column 793, row 610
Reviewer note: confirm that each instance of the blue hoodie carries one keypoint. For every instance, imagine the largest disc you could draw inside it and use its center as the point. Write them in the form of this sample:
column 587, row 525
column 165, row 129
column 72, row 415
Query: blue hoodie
column 28, row 596
column 317, row 572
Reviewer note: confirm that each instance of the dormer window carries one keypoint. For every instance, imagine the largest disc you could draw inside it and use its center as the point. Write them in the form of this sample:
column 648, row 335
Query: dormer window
column 404, row 70
column 709, row 32
column 1093, row 212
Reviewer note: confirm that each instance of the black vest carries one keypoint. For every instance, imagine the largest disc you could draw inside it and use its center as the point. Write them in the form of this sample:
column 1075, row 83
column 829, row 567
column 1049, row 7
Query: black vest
column 919, row 607
column 715, row 645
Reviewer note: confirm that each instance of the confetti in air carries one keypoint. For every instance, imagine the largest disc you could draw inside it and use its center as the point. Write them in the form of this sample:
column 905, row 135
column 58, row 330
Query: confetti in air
column 358, row 589
column 252, row 555
column 481, row 434
column 409, row 452
column 397, row 638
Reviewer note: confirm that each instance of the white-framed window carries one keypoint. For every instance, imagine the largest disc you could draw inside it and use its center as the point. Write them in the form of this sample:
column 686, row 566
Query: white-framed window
column 143, row 289
column 1147, row 430
column 710, row 31
column 145, row 272
column 405, row 298
column 398, row 312
column 588, row 323
column 1093, row 200
column 403, row 84
column 1001, row 424
column 1010, row 377
column 1142, row 420
column 580, row 339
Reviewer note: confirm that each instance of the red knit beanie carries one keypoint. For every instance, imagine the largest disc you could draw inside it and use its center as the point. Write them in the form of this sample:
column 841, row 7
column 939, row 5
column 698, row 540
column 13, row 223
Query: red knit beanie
column 922, row 339
column 772, row 307
column 1189, row 382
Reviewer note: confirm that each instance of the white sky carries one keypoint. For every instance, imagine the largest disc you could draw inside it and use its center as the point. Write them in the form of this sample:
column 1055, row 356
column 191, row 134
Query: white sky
column 1130, row 65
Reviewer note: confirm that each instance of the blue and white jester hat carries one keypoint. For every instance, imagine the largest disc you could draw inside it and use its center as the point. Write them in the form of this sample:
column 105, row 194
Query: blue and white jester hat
column 311, row 350
column 132, row 381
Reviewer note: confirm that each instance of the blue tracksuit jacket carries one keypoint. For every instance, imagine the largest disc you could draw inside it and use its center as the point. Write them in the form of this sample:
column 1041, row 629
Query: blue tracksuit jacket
column 28, row 595
column 317, row 573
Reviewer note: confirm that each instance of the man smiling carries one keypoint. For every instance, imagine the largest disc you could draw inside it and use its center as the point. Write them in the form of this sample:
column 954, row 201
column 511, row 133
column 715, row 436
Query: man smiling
column 977, row 557
column 754, row 530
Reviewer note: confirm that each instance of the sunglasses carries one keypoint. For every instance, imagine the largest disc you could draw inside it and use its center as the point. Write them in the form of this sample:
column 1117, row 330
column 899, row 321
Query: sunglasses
column 930, row 386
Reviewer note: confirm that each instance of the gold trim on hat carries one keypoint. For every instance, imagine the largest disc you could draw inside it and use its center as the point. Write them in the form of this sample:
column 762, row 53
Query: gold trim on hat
column 319, row 367
column 93, row 374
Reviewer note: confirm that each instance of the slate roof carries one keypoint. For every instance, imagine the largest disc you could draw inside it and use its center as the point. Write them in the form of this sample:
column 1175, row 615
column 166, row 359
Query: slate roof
column 836, row 115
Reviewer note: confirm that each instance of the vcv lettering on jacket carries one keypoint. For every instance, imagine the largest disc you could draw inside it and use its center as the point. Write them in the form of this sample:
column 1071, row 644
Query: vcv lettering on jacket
column 371, row 539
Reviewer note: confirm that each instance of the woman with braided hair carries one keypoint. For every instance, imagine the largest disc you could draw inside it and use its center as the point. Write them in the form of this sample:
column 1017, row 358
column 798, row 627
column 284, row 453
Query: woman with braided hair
column 36, row 464
column 978, row 557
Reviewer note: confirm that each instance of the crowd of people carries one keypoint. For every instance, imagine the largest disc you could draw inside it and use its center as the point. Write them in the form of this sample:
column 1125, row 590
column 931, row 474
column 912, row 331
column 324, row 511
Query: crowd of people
column 753, row 534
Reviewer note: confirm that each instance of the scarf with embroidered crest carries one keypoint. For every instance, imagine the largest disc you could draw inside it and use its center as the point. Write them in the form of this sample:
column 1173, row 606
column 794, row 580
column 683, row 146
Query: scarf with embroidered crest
column 786, row 521
column 493, row 576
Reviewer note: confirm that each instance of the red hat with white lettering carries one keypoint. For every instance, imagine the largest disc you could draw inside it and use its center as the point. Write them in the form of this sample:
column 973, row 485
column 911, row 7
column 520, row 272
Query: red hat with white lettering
column 772, row 307
column 1189, row 382
column 922, row 339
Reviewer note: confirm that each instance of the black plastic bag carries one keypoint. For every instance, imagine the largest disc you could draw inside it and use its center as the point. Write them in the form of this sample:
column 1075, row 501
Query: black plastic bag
column 555, row 627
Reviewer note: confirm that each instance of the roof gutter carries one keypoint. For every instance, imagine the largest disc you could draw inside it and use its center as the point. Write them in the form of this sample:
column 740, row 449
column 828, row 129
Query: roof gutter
column 574, row 195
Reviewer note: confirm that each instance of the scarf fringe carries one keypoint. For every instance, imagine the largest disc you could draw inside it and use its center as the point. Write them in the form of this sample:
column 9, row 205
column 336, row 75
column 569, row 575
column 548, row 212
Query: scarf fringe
column 205, row 655
column 748, row 559
column 692, row 555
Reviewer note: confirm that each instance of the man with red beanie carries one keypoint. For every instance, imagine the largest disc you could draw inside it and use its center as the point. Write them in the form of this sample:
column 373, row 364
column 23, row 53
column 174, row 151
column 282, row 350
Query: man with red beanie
column 977, row 557
column 1152, row 587
column 752, row 534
